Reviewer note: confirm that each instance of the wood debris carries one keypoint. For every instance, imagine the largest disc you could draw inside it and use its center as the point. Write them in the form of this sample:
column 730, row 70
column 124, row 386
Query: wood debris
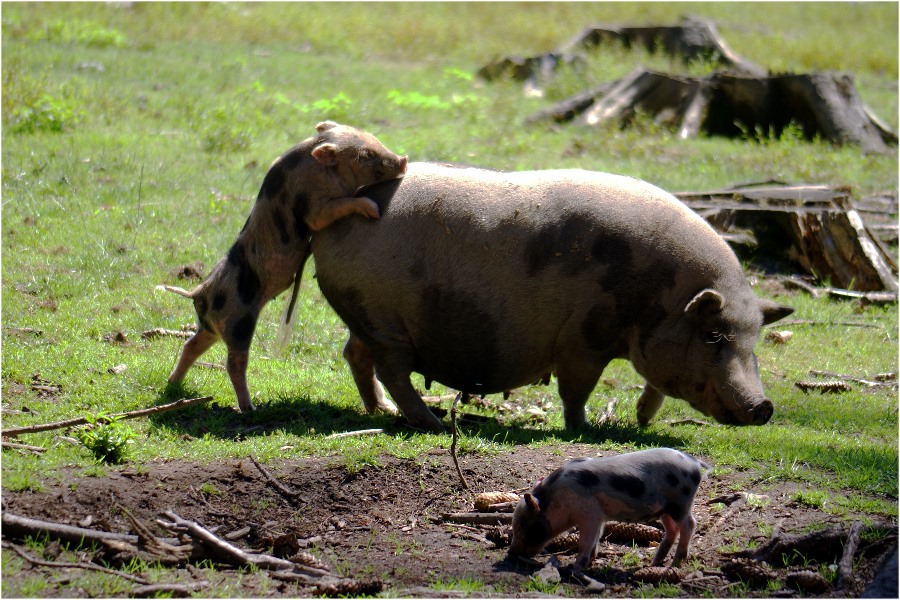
column 824, row 387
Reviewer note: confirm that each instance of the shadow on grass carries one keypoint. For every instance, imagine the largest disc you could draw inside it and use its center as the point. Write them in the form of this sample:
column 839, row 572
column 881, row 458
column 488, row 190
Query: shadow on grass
column 301, row 415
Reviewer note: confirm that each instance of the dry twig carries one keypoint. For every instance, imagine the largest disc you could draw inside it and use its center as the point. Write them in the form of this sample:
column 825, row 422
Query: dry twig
column 478, row 518
column 26, row 447
column 76, row 565
column 845, row 566
column 464, row 396
column 284, row 491
column 154, row 410
column 354, row 433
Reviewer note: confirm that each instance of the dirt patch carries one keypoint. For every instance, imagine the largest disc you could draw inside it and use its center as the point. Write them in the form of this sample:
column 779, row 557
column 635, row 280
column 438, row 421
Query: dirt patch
column 385, row 522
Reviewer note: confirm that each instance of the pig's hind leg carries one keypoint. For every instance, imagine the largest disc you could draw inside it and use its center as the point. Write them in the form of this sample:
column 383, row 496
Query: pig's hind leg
column 332, row 210
column 590, row 527
column 362, row 366
column 193, row 349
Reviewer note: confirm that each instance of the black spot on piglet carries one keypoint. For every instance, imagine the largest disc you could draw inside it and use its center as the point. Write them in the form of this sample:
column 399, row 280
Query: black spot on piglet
column 671, row 479
column 629, row 484
column 587, row 479
column 674, row 510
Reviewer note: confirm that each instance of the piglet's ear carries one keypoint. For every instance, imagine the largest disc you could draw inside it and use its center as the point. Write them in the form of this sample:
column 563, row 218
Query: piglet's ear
column 325, row 154
column 532, row 503
column 325, row 126
column 773, row 312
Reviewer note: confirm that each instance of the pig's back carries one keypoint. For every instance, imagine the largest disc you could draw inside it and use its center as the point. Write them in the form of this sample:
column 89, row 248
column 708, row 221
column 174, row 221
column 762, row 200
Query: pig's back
column 486, row 273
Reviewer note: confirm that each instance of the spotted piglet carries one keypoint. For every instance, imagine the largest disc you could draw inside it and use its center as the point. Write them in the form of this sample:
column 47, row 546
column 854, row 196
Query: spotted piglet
column 632, row 488
column 306, row 189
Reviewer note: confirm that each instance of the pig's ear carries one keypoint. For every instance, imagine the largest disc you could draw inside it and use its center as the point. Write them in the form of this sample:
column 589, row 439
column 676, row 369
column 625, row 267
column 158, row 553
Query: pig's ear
column 773, row 312
column 705, row 304
column 326, row 154
column 532, row 503
column 325, row 126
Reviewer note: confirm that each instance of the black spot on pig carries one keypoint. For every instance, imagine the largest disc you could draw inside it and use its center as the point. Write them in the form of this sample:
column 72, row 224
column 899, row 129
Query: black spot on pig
column 564, row 243
column 587, row 479
column 629, row 484
column 671, row 479
column 686, row 490
column 219, row 301
column 292, row 160
column 273, row 182
column 248, row 283
column 694, row 476
column 448, row 317
column 283, row 234
column 614, row 251
column 674, row 510
column 298, row 210
column 242, row 333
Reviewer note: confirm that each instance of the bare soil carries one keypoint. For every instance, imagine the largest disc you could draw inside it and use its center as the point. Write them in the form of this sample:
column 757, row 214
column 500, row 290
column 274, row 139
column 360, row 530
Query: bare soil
column 386, row 523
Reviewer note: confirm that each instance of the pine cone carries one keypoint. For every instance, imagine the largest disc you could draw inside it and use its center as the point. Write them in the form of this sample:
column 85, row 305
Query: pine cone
column 825, row 387
column 753, row 573
column 350, row 587
column 307, row 559
column 807, row 582
column 483, row 501
column 564, row 543
column 656, row 575
column 625, row 533
column 499, row 536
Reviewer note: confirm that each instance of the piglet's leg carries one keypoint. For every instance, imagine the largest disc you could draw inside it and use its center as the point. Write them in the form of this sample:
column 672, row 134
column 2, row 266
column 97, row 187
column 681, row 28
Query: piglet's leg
column 193, row 349
column 671, row 529
column 687, row 531
column 236, row 365
column 332, row 210
column 588, row 536
column 362, row 366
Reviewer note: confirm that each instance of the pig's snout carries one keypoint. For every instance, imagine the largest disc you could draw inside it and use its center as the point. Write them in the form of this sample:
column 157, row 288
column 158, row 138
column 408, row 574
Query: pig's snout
column 762, row 412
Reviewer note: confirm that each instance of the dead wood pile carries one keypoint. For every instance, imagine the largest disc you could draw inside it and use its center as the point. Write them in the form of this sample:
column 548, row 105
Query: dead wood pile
column 815, row 227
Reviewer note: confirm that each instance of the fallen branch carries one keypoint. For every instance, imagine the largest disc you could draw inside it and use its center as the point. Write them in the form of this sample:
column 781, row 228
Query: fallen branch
column 464, row 396
column 15, row 446
column 354, row 433
column 826, row 544
column 234, row 555
column 177, row 405
column 688, row 422
column 177, row 590
column 845, row 566
column 866, row 382
column 478, row 518
column 160, row 332
column 284, row 491
column 19, row 527
column 72, row 565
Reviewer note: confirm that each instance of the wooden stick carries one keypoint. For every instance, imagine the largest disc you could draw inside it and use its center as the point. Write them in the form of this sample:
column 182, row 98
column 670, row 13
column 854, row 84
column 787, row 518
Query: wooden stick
column 354, row 433
column 20, row 527
column 290, row 494
column 178, row 404
column 465, row 396
column 15, row 446
column 478, row 518
column 177, row 590
column 72, row 565
column 845, row 566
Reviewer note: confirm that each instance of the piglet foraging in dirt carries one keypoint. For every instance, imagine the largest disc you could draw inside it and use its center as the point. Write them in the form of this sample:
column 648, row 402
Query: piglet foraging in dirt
column 632, row 488
column 306, row 189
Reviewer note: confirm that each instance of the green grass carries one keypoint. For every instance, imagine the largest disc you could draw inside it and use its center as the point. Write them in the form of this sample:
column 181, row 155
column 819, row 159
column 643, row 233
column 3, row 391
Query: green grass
column 136, row 137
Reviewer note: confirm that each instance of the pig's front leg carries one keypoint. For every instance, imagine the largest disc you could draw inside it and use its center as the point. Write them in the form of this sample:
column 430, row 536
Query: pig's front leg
column 332, row 210
column 236, row 365
column 362, row 366
column 649, row 402
column 193, row 349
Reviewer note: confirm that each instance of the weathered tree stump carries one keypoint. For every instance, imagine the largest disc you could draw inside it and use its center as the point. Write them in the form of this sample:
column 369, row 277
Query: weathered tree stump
column 824, row 105
column 817, row 227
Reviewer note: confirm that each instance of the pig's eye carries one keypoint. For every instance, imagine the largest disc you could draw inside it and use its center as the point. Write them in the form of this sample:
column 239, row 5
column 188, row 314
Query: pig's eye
column 716, row 337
